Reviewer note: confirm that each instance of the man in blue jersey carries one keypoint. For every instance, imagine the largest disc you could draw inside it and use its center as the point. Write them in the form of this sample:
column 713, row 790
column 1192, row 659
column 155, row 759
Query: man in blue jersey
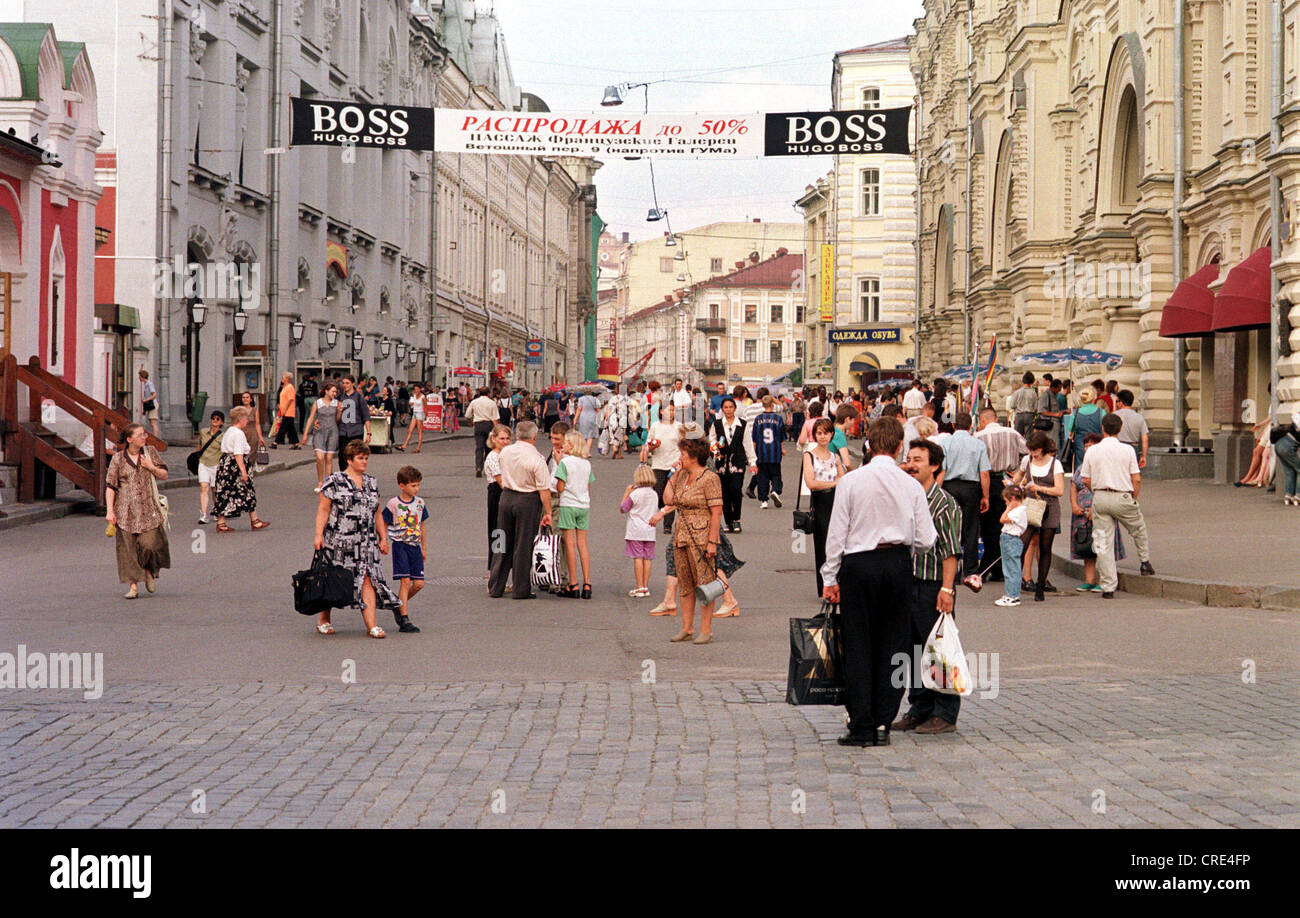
column 769, row 435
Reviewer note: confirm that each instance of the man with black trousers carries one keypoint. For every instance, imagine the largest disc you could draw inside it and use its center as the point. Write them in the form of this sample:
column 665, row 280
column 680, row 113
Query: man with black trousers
column 483, row 413
column 935, row 593
column 966, row 478
column 880, row 517
column 525, row 504
column 1005, row 448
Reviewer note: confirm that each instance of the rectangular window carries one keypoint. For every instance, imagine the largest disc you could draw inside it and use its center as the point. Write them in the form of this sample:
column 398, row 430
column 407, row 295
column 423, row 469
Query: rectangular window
column 751, row 312
column 666, row 266
column 751, row 350
column 776, row 312
column 868, row 300
column 715, row 265
column 871, row 97
column 799, row 313
column 870, row 193
column 774, row 352
column 798, row 352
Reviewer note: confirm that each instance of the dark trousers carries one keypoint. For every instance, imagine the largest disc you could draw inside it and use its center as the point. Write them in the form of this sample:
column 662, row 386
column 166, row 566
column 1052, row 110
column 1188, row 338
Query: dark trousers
column 875, row 611
column 733, row 486
column 991, row 533
column 518, row 517
column 344, row 441
column 482, row 429
column 661, row 484
column 967, row 495
column 769, row 479
column 822, row 503
column 288, row 429
column 926, row 703
column 494, row 506
column 1023, row 423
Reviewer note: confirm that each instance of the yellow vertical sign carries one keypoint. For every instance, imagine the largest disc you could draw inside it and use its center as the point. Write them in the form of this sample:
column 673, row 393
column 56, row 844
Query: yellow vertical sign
column 828, row 283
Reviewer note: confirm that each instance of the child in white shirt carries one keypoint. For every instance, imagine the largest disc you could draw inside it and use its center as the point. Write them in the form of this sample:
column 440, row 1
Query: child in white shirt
column 640, row 502
column 1014, row 523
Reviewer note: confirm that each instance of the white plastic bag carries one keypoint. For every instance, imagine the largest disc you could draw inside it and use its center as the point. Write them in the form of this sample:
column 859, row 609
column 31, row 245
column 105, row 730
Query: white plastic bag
column 546, row 559
column 602, row 443
column 943, row 663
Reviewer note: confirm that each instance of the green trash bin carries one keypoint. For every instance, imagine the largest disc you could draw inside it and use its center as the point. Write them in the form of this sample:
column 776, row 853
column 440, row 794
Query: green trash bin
column 200, row 403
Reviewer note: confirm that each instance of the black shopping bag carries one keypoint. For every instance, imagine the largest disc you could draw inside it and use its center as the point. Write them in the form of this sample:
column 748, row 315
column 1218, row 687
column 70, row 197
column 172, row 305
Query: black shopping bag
column 816, row 659
column 322, row 586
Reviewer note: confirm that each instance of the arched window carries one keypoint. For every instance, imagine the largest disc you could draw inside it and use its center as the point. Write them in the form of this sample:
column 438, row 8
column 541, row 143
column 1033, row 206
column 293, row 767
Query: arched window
column 56, row 305
column 1000, row 233
column 1128, row 165
column 943, row 255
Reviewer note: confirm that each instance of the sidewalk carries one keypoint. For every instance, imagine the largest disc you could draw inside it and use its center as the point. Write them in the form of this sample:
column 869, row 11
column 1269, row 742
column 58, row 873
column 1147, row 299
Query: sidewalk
column 78, row 501
column 1211, row 544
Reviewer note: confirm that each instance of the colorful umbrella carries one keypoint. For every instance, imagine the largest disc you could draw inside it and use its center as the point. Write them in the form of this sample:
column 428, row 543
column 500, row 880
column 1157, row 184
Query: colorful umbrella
column 1072, row 355
column 964, row 371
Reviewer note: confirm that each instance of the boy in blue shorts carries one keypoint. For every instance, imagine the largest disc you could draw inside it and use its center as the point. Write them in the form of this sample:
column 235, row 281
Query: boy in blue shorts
column 405, row 516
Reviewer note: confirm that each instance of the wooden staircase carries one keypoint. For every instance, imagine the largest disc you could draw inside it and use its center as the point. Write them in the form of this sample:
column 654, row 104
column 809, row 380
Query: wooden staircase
column 27, row 442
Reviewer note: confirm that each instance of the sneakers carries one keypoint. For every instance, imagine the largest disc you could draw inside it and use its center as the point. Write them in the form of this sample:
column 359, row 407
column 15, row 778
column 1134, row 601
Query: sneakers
column 405, row 625
column 203, row 520
column 763, row 505
column 1146, row 569
column 1006, row 601
column 776, row 498
column 1088, row 588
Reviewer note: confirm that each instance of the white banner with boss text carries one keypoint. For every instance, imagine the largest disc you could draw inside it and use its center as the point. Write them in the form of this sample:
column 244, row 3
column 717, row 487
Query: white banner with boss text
column 678, row 135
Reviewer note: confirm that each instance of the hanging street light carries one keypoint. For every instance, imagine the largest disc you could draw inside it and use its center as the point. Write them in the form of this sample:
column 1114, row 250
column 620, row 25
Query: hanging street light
column 198, row 312
column 385, row 347
column 670, row 240
column 241, row 320
column 331, row 336
column 655, row 214
column 401, row 350
column 296, row 329
column 358, row 340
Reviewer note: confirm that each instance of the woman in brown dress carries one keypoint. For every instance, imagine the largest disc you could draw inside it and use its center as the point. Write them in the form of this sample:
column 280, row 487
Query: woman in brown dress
column 695, row 493
column 141, row 536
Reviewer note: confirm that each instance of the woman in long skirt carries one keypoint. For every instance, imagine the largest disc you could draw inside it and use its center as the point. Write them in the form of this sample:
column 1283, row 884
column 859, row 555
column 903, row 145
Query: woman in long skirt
column 235, row 492
column 130, row 492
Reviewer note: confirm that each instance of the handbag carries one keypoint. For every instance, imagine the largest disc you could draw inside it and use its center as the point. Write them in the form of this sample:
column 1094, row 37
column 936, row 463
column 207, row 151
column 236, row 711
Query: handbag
column 546, row 559
column 192, row 460
column 263, row 458
column 803, row 519
column 943, row 663
column 1043, row 424
column 1035, row 507
column 816, row 674
column 160, row 501
column 322, row 586
column 1081, row 540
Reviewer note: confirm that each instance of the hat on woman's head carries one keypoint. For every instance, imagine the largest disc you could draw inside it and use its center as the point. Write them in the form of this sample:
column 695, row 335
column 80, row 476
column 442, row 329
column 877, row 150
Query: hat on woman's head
column 1087, row 394
column 692, row 431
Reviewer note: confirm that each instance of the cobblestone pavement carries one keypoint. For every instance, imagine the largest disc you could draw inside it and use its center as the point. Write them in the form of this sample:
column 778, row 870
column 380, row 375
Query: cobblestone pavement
column 523, row 714
column 1180, row 751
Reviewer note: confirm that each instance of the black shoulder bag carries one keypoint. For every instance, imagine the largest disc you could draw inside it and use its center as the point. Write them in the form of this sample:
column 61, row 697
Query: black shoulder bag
column 192, row 460
column 803, row 519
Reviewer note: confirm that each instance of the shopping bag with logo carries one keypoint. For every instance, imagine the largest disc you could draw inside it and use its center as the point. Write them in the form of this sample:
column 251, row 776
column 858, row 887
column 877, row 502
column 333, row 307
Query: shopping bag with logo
column 943, row 663
column 816, row 673
column 546, row 559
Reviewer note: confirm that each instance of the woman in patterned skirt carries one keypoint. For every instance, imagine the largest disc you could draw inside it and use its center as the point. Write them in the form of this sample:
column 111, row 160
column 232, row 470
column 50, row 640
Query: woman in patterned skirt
column 141, row 535
column 350, row 530
column 235, row 493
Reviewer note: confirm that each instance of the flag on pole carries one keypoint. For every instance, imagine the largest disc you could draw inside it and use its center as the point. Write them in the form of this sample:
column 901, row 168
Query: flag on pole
column 988, row 376
column 993, row 362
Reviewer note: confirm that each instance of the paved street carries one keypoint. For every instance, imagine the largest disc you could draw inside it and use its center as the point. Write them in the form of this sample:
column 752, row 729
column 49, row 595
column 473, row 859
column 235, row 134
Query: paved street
column 519, row 714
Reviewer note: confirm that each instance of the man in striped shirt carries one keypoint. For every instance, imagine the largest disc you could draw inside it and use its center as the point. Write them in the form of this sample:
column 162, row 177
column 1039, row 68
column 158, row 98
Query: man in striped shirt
column 934, row 591
column 1006, row 448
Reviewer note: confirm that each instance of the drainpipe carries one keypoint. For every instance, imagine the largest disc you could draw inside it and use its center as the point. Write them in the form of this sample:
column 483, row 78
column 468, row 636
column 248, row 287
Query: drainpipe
column 1275, row 203
column 162, row 320
column 970, row 217
column 1180, row 351
column 916, row 323
column 273, row 210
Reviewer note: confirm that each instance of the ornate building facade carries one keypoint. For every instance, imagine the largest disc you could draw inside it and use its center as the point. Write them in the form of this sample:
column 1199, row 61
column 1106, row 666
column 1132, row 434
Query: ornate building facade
column 1071, row 152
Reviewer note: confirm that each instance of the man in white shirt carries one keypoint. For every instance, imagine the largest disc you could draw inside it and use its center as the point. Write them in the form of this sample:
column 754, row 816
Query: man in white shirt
column 913, row 400
column 1111, row 471
column 483, row 415
column 881, row 514
column 1005, row 448
column 683, row 402
column 525, row 503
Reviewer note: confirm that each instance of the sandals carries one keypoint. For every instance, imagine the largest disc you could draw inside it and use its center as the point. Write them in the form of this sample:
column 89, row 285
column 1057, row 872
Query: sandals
column 682, row 636
column 400, row 449
column 569, row 592
column 324, row 628
column 260, row 524
column 375, row 632
column 730, row 611
column 586, row 591
column 638, row 592
column 131, row 593
column 222, row 527
column 662, row 609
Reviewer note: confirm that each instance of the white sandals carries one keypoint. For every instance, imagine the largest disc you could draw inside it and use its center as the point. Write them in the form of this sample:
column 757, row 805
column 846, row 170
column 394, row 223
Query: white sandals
column 375, row 632
column 324, row 628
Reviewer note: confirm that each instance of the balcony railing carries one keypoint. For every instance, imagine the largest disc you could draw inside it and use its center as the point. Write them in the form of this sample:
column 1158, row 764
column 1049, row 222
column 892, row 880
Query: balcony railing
column 711, row 325
column 712, row 365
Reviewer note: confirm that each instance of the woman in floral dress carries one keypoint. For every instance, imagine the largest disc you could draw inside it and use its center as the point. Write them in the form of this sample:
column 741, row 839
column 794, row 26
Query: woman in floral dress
column 234, row 493
column 141, row 535
column 350, row 530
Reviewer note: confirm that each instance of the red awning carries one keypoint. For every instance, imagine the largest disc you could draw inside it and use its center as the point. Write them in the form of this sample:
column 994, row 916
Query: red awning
column 1246, row 295
column 1189, row 312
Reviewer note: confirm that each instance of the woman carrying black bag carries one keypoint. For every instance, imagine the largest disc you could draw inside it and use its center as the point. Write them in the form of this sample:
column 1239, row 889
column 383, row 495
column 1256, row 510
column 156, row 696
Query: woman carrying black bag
column 733, row 453
column 822, row 471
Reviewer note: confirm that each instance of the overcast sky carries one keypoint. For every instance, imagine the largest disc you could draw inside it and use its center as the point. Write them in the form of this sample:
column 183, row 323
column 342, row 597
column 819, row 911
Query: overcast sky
column 715, row 55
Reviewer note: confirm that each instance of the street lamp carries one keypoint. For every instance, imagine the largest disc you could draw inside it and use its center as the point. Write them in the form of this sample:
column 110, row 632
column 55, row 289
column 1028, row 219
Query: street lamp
column 198, row 312
column 331, row 336
column 385, row 347
column 241, row 320
column 358, row 340
column 401, row 351
column 655, row 214
column 670, row 240
column 296, row 329
column 413, row 356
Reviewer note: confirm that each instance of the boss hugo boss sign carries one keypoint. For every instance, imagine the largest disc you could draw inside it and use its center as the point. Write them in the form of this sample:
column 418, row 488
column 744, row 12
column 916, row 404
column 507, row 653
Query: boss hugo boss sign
column 318, row 122
column 813, row 133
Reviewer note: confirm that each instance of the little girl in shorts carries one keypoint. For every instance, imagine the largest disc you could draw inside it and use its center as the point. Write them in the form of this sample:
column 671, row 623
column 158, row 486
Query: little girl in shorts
column 640, row 502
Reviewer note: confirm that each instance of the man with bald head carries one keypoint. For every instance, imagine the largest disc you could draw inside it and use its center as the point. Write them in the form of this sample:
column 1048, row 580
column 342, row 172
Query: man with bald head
column 1005, row 447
